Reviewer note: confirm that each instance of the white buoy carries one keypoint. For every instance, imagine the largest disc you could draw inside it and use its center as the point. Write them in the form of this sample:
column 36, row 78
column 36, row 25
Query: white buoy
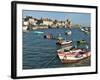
column 69, row 32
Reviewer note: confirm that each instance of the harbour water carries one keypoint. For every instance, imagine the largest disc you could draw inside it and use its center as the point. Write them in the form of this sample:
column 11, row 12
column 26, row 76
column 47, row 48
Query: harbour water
column 41, row 53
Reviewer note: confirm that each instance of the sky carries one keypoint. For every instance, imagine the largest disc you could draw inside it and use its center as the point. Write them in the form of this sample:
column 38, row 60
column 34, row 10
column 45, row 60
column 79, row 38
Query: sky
column 76, row 18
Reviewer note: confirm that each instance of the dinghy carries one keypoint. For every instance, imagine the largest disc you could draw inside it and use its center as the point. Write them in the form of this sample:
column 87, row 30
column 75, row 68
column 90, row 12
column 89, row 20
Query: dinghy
column 38, row 32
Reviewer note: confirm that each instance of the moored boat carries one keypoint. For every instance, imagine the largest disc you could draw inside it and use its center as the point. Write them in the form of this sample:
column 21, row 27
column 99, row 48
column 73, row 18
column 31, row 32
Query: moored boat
column 81, row 42
column 64, row 42
column 74, row 55
column 38, row 32
column 68, row 32
column 86, row 30
column 48, row 36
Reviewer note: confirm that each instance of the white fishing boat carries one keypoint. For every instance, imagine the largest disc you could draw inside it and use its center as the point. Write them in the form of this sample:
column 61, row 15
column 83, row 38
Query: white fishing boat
column 82, row 29
column 66, row 42
column 74, row 55
column 38, row 32
column 63, row 42
column 86, row 30
column 68, row 32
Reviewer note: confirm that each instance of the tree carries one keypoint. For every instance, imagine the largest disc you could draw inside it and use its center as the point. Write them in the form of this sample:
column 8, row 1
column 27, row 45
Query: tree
column 27, row 18
column 69, row 23
column 55, row 21
column 39, row 21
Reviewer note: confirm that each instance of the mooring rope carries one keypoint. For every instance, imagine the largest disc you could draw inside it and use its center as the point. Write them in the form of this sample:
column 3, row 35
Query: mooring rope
column 50, row 61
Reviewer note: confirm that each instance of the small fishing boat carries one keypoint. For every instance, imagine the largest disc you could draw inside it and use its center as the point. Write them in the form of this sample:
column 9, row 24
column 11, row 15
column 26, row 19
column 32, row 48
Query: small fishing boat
column 68, row 32
column 74, row 55
column 64, row 42
column 48, row 36
column 38, row 32
column 82, row 29
column 81, row 42
column 86, row 30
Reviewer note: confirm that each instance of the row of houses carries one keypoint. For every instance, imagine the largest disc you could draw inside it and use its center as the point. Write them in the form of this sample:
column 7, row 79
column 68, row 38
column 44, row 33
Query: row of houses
column 35, row 23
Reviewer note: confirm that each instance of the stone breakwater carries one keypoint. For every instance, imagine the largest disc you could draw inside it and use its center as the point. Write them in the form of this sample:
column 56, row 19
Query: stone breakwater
column 39, row 27
column 42, row 27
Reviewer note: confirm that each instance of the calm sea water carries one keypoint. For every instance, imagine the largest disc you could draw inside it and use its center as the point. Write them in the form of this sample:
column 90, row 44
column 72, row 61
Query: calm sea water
column 41, row 53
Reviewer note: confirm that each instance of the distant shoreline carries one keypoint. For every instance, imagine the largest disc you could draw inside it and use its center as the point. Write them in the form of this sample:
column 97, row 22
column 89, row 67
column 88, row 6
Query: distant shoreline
column 38, row 27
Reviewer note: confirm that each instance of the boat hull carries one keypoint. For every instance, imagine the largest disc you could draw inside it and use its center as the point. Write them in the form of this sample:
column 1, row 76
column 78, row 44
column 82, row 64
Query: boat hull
column 72, row 61
column 72, row 57
column 64, row 42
